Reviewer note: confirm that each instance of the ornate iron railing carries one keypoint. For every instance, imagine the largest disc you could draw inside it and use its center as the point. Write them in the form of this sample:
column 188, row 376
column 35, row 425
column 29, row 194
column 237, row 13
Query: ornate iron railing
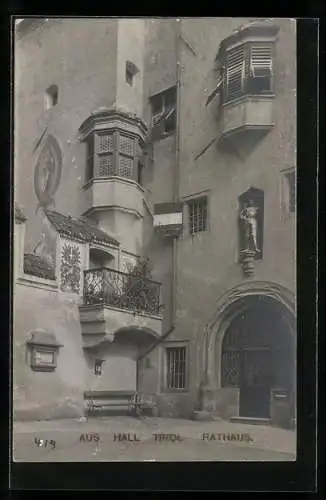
column 123, row 290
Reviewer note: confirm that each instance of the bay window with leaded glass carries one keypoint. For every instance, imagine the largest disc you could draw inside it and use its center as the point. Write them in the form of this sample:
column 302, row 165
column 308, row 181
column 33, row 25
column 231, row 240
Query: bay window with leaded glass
column 112, row 153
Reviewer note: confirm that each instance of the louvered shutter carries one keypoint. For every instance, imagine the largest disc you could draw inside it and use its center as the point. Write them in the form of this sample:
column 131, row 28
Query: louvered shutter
column 235, row 73
column 156, row 119
column 261, row 61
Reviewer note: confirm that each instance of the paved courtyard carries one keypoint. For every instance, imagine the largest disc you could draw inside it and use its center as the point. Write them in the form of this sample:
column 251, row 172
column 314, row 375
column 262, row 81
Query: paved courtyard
column 151, row 439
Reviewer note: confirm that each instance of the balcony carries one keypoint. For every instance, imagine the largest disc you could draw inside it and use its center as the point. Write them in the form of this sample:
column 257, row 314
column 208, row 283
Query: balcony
column 114, row 300
column 246, row 120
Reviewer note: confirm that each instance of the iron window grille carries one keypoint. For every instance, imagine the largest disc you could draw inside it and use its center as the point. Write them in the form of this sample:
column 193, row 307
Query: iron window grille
column 176, row 368
column 231, row 368
column 248, row 70
column 197, row 215
column 163, row 108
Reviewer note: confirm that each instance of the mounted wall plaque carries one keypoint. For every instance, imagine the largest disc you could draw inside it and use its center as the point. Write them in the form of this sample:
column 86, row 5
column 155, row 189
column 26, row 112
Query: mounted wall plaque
column 44, row 350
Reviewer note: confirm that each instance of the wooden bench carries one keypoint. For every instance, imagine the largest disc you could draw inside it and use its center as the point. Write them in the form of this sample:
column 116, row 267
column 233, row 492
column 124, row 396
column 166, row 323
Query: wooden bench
column 130, row 401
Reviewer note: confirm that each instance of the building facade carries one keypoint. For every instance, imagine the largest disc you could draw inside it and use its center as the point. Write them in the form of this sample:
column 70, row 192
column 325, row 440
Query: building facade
column 154, row 243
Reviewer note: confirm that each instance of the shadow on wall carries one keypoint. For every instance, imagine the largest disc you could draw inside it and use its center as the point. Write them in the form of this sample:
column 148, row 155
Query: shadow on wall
column 67, row 408
column 175, row 406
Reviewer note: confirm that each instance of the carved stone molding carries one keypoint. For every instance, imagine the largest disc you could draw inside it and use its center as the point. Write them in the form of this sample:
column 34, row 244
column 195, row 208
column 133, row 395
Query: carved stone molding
column 228, row 305
column 247, row 258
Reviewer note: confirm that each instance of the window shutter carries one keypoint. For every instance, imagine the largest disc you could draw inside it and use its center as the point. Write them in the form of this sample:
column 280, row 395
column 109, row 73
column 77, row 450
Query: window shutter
column 261, row 60
column 235, row 73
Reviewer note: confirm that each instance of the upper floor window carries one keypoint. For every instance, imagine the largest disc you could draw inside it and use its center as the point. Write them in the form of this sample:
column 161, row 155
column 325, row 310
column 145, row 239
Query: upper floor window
column 197, row 209
column 163, row 109
column 112, row 153
column 131, row 71
column 248, row 70
column 51, row 97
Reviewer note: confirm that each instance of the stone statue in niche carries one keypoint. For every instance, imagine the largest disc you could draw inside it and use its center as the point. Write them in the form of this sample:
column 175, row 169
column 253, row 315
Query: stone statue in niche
column 248, row 216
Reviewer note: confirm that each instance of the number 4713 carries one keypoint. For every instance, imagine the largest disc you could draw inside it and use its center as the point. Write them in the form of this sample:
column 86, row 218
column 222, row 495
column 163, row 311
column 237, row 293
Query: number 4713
column 44, row 442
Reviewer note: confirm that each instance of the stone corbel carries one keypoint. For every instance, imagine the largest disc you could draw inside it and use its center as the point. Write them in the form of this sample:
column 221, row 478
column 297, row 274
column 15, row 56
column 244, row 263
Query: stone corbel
column 247, row 258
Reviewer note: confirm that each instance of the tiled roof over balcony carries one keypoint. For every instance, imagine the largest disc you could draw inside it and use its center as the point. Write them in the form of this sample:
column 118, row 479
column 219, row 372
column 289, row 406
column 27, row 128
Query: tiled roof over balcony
column 79, row 229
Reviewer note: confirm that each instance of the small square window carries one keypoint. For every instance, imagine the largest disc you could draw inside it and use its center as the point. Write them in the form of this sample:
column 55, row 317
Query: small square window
column 51, row 97
column 197, row 215
column 129, row 76
column 176, row 367
column 131, row 71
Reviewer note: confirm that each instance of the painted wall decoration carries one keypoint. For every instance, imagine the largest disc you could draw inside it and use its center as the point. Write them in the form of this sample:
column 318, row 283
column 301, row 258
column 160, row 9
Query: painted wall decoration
column 70, row 268
column 47, row 173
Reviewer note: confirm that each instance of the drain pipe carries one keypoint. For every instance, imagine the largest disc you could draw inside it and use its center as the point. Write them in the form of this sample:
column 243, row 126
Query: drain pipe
column 175, row 192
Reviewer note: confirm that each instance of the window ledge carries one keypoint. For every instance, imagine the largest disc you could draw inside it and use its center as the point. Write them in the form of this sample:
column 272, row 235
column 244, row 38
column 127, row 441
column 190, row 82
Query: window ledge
column 244, row 97
column 164, row 135
column 37, row 282
column 166, row 390
column 111, row 178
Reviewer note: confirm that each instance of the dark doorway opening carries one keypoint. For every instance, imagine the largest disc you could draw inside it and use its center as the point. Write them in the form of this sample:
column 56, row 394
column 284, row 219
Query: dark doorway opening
column 257, row 357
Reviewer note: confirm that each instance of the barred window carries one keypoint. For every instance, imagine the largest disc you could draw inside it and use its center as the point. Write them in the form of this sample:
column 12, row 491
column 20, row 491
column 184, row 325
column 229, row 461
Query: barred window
column 248, row 70
column 197, row 215
column 176, row 367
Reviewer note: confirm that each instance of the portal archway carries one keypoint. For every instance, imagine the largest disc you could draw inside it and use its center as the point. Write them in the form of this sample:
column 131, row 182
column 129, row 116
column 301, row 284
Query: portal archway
column 259, row 318
column 258, row 358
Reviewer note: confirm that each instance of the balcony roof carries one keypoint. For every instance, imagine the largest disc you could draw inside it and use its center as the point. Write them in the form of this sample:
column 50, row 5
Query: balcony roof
column 79, row 229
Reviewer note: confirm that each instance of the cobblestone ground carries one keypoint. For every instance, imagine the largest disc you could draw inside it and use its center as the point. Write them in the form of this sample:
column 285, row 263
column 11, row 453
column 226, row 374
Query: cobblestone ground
column 259, row 443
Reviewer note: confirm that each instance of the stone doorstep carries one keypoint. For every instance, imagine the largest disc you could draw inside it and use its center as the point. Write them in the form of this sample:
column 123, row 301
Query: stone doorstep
column 251, row 420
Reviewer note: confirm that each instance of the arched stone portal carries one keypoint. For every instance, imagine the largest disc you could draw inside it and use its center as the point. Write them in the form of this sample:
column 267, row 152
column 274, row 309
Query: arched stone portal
column 250, row 352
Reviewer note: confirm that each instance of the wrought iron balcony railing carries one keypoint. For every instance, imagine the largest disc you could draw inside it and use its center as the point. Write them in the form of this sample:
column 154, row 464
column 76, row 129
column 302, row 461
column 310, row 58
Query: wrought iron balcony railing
column 126, row 291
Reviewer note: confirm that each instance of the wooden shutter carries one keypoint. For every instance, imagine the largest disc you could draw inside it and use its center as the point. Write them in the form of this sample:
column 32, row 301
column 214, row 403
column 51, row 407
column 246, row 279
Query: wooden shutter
column 235, row 73
column 261, row 60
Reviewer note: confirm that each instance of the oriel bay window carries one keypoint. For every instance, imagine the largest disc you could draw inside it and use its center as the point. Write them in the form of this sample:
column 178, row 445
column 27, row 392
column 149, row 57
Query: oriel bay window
column 248, row 70
column 112, row 153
